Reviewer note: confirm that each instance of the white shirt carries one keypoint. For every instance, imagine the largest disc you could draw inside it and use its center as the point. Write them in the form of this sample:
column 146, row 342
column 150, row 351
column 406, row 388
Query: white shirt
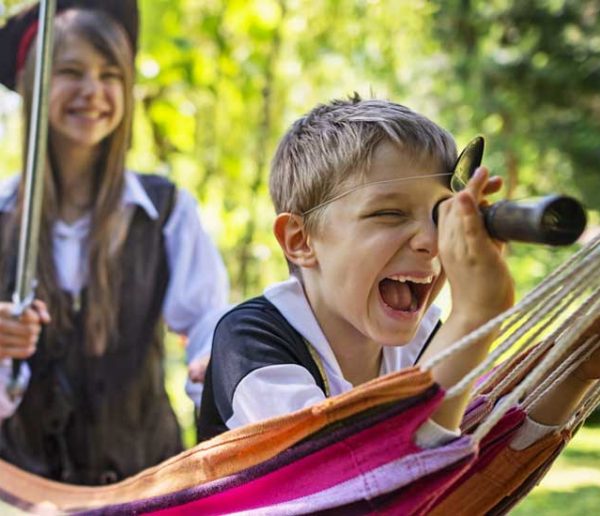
column 198, row 285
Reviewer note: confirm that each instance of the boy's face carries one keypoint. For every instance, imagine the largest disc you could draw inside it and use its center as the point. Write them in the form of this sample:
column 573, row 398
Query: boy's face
column 377, row 268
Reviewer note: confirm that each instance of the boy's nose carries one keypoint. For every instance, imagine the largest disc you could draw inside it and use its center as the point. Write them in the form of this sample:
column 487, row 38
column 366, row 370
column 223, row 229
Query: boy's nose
column 425, row 240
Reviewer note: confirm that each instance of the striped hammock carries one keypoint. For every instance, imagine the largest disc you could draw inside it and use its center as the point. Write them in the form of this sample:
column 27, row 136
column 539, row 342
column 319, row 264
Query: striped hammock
column 355, row 453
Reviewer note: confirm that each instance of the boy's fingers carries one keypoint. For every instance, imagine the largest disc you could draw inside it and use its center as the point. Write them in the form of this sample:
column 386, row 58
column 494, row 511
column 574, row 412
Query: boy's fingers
column 467, row 206
column 494, row 185
column 477, row 183
column 472, row 224
column 444, row 207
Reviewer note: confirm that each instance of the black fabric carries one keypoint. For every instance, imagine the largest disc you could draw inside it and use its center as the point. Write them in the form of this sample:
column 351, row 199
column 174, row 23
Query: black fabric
column 252, row 335
column 124, row 11
column 95, row 420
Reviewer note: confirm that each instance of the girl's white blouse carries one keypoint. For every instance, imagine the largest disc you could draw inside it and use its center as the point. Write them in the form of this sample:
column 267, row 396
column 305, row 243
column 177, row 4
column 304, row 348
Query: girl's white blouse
column 198, row 287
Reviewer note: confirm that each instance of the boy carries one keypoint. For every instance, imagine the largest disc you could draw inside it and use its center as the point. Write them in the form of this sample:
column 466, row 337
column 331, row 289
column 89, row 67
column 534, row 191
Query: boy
column 354, row 184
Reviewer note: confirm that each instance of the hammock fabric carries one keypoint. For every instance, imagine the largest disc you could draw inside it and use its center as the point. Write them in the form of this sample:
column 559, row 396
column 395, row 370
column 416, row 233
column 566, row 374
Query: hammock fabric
column 550, row 447
column 358, row 464
column 307, row 467
column 220, row 457
column 355, row 453
column 487, row 485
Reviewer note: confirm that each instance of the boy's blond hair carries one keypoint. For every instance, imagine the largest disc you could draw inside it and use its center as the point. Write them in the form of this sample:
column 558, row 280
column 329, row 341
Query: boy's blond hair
column 333, row 144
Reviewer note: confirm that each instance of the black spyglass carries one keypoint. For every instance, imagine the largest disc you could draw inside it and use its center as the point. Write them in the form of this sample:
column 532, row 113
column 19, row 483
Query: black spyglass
column 552, row 220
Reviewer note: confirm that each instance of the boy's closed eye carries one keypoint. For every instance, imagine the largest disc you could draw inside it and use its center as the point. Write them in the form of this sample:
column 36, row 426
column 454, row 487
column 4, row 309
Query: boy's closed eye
column 388, row 216
column 391, row 213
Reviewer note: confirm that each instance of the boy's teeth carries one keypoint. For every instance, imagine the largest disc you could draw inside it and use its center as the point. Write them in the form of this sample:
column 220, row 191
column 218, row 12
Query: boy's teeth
column 403, row 279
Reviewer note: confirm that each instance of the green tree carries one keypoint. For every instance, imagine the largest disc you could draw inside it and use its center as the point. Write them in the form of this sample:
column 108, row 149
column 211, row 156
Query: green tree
column 526, row 75
column 224, row 79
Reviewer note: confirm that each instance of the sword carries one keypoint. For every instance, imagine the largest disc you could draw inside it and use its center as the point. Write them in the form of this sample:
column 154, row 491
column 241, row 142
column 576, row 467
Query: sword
column 29, row 232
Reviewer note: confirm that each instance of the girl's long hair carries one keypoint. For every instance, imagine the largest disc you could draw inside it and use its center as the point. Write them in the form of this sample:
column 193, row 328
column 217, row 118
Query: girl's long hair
column 103, row 272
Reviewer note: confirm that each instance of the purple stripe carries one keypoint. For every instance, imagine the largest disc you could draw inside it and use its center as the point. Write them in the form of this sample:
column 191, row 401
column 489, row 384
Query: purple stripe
column 413, row 499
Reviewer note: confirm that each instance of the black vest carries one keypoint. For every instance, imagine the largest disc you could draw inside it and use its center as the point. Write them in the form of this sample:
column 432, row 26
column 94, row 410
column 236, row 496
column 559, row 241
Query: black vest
column 95, row 420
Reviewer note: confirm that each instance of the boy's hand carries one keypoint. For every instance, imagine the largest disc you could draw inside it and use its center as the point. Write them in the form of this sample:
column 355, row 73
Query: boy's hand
column 480, row 282
column 590, row 369
column 558, row 404
column 18, row 337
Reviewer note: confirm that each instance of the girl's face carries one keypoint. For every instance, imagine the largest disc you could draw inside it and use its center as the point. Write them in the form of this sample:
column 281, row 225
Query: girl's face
column 87, row 98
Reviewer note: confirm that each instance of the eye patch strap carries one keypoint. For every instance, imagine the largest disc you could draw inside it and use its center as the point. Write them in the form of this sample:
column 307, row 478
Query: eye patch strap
column 358, row 187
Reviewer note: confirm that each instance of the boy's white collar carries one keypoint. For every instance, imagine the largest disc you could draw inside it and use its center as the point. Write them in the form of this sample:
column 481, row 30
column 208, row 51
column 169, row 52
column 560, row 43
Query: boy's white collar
column 289, row 298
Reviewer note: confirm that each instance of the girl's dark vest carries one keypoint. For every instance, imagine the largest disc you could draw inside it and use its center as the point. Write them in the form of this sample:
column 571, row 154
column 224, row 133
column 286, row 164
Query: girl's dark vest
column 96, row 420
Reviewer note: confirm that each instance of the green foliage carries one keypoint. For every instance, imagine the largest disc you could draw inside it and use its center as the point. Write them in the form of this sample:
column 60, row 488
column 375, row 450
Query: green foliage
column 223, row 81
column 219, row 82
column 530, row 73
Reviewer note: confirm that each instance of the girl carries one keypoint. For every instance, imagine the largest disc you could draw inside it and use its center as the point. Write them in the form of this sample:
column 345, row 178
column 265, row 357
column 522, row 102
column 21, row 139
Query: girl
column 118, row 251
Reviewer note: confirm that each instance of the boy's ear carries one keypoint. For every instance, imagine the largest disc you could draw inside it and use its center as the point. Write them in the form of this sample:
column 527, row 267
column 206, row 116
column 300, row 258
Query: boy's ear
column 294, row 240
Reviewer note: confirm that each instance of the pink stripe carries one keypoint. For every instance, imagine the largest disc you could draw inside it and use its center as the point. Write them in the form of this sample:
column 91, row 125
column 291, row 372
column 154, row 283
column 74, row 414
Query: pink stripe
column 397, row 475
column 337, row 463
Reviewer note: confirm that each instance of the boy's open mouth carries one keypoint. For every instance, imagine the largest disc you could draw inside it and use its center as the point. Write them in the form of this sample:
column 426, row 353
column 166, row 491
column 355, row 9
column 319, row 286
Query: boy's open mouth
column 405, row 293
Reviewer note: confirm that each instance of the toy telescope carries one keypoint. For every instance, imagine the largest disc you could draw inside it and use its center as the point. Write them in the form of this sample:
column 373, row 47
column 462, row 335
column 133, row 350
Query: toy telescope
column 552, row 220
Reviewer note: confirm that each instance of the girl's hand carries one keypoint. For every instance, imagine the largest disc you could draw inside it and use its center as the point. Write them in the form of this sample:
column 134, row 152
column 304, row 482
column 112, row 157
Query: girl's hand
column 18, row 337
column 197, row 369
column 480, row 282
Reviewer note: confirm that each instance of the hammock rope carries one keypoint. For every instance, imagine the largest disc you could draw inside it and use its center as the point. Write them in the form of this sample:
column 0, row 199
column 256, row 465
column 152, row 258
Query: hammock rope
column 540, row 349
column 561, row 346
column 546, row 298
column 573, row 361
column 587, row 406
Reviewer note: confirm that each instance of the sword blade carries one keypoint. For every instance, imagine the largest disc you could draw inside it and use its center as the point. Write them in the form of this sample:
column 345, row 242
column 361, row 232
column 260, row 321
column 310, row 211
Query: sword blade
column 35, row 162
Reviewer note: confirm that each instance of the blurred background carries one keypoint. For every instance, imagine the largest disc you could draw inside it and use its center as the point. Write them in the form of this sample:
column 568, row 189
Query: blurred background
column 219, row 82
